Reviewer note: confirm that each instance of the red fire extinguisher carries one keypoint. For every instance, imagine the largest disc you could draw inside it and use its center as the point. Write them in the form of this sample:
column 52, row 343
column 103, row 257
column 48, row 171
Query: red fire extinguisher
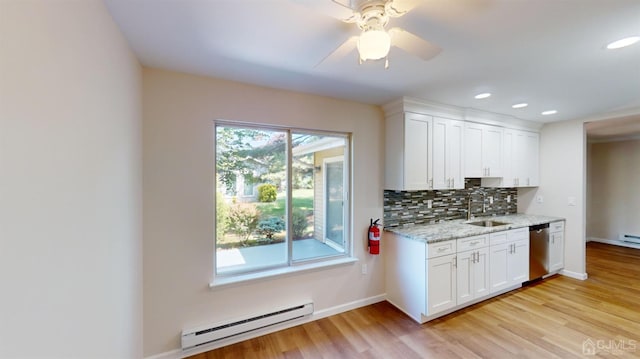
column 374, row 237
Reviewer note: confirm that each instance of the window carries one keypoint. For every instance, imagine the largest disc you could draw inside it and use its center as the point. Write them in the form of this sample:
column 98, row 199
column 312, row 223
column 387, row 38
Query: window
column 299, row 210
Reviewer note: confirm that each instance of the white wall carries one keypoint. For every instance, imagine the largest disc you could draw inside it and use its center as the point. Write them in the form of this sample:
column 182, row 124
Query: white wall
column 614, row 190
column 179, row 111
column 562, row 175
column 70, row 183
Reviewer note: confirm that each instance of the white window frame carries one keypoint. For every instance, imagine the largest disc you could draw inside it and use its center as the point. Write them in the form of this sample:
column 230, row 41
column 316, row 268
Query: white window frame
column 291, row 265
column 345, row 184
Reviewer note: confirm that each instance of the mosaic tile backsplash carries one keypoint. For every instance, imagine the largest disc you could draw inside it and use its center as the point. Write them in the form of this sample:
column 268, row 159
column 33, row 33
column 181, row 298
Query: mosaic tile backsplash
column 402, row 208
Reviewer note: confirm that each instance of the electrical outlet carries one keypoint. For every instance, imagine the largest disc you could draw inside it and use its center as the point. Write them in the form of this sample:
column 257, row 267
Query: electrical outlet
column 539, row 199
column 429, row 203
column 364, row 268
column 509, row 198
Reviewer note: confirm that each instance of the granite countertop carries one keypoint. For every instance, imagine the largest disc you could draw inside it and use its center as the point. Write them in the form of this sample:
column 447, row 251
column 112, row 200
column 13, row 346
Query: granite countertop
column 459, row 228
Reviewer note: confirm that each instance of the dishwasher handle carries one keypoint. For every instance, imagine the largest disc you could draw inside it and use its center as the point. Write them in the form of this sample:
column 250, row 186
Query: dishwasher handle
column 539, row 228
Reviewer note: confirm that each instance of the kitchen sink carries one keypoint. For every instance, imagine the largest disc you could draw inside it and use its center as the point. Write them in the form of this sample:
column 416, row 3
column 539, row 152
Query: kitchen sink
column 488, row 223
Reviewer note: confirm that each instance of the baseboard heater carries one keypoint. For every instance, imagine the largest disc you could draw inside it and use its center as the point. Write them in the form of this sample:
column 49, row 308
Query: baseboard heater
column 209, row 334
column 630, row 238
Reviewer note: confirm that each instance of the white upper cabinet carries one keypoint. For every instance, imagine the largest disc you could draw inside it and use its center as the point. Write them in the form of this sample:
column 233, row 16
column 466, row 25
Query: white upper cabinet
column 408, row 152
column 483, row 150
column 447, row 154
column 520, row 160
column 433, row 147
column 423, row 153
column 417, row 163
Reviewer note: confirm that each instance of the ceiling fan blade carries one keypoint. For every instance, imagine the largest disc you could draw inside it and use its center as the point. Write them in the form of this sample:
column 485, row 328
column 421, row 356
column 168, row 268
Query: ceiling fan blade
column 341, row 51
column 396, row 8
column 335, row 8
column 413, row 44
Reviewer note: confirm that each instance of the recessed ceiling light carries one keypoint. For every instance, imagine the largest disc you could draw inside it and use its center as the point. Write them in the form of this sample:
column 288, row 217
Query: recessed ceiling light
column 482, row 95
column 520, row 105
column 550, row 112
column 627, row 41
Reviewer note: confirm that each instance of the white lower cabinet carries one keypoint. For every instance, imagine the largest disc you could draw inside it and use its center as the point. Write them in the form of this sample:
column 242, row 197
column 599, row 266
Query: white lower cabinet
column 441, row 279
column 509, row 258
column 472, row 275
column 472, row 268
column 556, row 246
column 429, row 280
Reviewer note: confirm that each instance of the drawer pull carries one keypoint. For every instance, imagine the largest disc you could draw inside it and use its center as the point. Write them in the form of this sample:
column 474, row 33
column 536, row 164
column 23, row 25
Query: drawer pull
column 474, row 243
column 442, row 249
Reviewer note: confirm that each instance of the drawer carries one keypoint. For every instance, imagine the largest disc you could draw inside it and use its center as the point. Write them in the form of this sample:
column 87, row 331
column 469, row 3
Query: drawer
column 518, row 234
column 440, row 249
column 556, row 226
column 498, row 238
column 467, row 243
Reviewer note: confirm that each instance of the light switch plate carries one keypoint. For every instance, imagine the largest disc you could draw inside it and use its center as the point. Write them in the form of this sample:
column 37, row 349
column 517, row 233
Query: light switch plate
column 429, row 203
column 508, row 198
column 571, row 201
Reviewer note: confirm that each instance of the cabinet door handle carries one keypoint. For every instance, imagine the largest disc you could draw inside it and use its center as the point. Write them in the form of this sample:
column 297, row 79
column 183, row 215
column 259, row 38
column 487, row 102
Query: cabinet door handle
column 455, row 261
column 453, row 183
column 431, row 183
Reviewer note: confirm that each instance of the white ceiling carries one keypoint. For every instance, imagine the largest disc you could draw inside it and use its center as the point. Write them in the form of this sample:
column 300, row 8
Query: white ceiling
column 548, row 53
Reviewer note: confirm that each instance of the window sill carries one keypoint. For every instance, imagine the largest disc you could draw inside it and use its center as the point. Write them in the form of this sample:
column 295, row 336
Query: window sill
column 279, row 272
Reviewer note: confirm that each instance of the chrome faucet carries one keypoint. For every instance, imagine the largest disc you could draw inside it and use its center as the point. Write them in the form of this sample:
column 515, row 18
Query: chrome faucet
column 484, row 208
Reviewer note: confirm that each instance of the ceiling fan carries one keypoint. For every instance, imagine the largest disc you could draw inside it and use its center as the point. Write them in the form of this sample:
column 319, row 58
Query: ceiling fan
column 371, row 17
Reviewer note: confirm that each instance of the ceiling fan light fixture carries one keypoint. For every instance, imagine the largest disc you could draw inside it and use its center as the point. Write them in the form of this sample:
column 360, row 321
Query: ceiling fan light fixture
column 374, row 44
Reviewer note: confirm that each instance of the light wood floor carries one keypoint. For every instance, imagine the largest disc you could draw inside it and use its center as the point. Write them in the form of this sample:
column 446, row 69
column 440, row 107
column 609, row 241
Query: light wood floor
column 550, row 319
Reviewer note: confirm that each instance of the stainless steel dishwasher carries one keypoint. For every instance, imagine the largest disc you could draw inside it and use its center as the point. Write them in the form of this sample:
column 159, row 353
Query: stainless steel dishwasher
column 538, row 251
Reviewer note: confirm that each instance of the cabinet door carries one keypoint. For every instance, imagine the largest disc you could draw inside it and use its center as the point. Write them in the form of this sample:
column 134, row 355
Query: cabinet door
column 482, row 150
column 465, row 277
column 531, row 159
column 510, row 159
column 440, row 173
column 481, row 274
column 447, row 154
column 441, row 284
column 417, row 152
column 473, row 150
column 498, row 268
column 518, row 262
column 492, row 151
column 455, row 150
column 556, row 251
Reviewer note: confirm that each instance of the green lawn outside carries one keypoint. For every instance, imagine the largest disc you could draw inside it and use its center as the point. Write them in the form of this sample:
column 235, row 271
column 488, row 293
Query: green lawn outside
column 302, row 199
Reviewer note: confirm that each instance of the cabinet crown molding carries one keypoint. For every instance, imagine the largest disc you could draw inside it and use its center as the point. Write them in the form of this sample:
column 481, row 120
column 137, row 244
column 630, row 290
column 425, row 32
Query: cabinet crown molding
column 421, row 106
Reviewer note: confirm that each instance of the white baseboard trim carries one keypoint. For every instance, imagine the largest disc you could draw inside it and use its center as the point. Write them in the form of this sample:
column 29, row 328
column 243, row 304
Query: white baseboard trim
column 574, row 275
column 173, row 354
column 614, row 242
column 178, row 353
column 347, row 307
